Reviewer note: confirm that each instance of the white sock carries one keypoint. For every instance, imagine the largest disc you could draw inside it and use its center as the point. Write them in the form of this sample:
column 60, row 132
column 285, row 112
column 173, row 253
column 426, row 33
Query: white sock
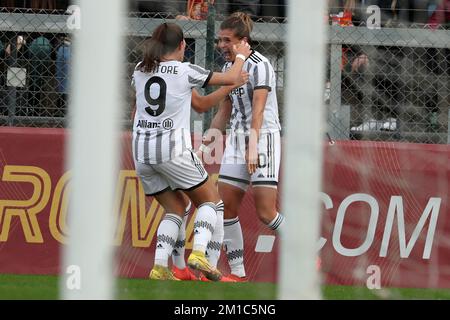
column 234, row 246
column 166, row 237
column 204, row 224
column 277, row 223
column 215, row 245
column 178, row 258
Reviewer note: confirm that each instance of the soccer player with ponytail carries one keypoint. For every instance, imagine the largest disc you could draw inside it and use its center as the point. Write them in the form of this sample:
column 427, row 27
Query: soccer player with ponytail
column 253, row 149
column 162, row 148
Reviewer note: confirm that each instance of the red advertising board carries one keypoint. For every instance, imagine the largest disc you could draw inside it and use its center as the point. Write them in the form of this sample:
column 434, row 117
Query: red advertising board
column 385, row 206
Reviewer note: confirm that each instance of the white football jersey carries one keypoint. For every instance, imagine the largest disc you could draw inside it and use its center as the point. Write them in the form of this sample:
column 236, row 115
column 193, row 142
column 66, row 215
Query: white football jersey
column 161, row 129
column 262, row 75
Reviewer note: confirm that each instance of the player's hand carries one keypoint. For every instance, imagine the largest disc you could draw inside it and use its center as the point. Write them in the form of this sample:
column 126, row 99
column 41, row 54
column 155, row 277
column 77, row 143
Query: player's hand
column 252, row 158
column 243, row 79
column 242, row 48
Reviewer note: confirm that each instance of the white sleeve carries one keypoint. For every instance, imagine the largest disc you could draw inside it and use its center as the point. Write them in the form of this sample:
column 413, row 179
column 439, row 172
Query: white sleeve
column 198, row 76
column 262, row 75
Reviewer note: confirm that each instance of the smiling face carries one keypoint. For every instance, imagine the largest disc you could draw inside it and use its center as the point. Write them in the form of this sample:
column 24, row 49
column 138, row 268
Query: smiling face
column 227, row 39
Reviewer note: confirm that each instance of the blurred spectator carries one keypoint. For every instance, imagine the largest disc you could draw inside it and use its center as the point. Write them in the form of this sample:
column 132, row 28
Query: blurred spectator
column 251, row 7
column 7, row 3
column 2, row 56
column 16, row 58
column 36, row 4
column 376, row 89
column 346, row 14
column 2, row 80
column 394, row 12
column 273, row 8
column 163, row 9
column 440, row 17
column 63, row 62
column 196, row 9
column 40, row 62
column 342, row 12
column 389, row 10
column 43, row 4
column 360, row 63
column 438, row 60
column 369, row 91
column 413, row 11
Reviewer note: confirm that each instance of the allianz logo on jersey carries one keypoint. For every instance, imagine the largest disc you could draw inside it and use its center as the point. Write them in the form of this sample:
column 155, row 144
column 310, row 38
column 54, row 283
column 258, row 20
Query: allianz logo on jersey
column 166, row 124
column 238, row 92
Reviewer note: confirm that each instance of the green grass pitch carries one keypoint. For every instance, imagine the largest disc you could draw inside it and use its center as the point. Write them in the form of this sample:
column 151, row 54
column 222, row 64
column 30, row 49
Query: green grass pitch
column 46, row 287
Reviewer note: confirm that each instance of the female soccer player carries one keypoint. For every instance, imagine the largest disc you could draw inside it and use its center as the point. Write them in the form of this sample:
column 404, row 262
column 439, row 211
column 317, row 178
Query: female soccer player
column 252, row 153
column 162, row 148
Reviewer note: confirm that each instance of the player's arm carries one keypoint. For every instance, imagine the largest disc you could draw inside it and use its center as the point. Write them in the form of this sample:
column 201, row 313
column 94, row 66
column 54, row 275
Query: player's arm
column 204, row 103
column 219, row 122
column 222, row 116
column 232, row 75
column 258, row 105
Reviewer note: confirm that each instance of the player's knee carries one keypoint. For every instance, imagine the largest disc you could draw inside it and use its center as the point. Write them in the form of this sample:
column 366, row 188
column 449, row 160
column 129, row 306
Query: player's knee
column 264, row 219
column 266, row 213
column 230, row 213
column 175, row 209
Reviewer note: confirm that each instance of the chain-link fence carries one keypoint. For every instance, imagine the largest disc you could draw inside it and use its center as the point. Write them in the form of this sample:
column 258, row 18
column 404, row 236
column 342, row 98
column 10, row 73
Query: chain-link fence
column 34, row 63
column 389, row 83
column 381, row 84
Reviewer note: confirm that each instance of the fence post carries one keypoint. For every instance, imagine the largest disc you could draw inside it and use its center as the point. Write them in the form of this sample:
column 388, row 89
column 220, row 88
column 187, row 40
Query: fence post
column 338, row 115
column 209, row 62
column 200, row 56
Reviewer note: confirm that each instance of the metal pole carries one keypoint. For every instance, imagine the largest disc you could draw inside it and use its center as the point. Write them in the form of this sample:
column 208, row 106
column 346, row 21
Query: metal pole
column 298, row 277
column 93, row 151
column 209, row 61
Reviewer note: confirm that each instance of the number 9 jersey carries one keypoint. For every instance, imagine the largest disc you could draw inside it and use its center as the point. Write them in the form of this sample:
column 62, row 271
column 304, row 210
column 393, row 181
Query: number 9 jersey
column 161, row 128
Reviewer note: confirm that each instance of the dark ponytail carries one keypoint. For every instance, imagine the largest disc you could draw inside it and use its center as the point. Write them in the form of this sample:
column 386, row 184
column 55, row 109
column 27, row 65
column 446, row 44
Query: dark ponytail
column 165, row 39
column 240, row 23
